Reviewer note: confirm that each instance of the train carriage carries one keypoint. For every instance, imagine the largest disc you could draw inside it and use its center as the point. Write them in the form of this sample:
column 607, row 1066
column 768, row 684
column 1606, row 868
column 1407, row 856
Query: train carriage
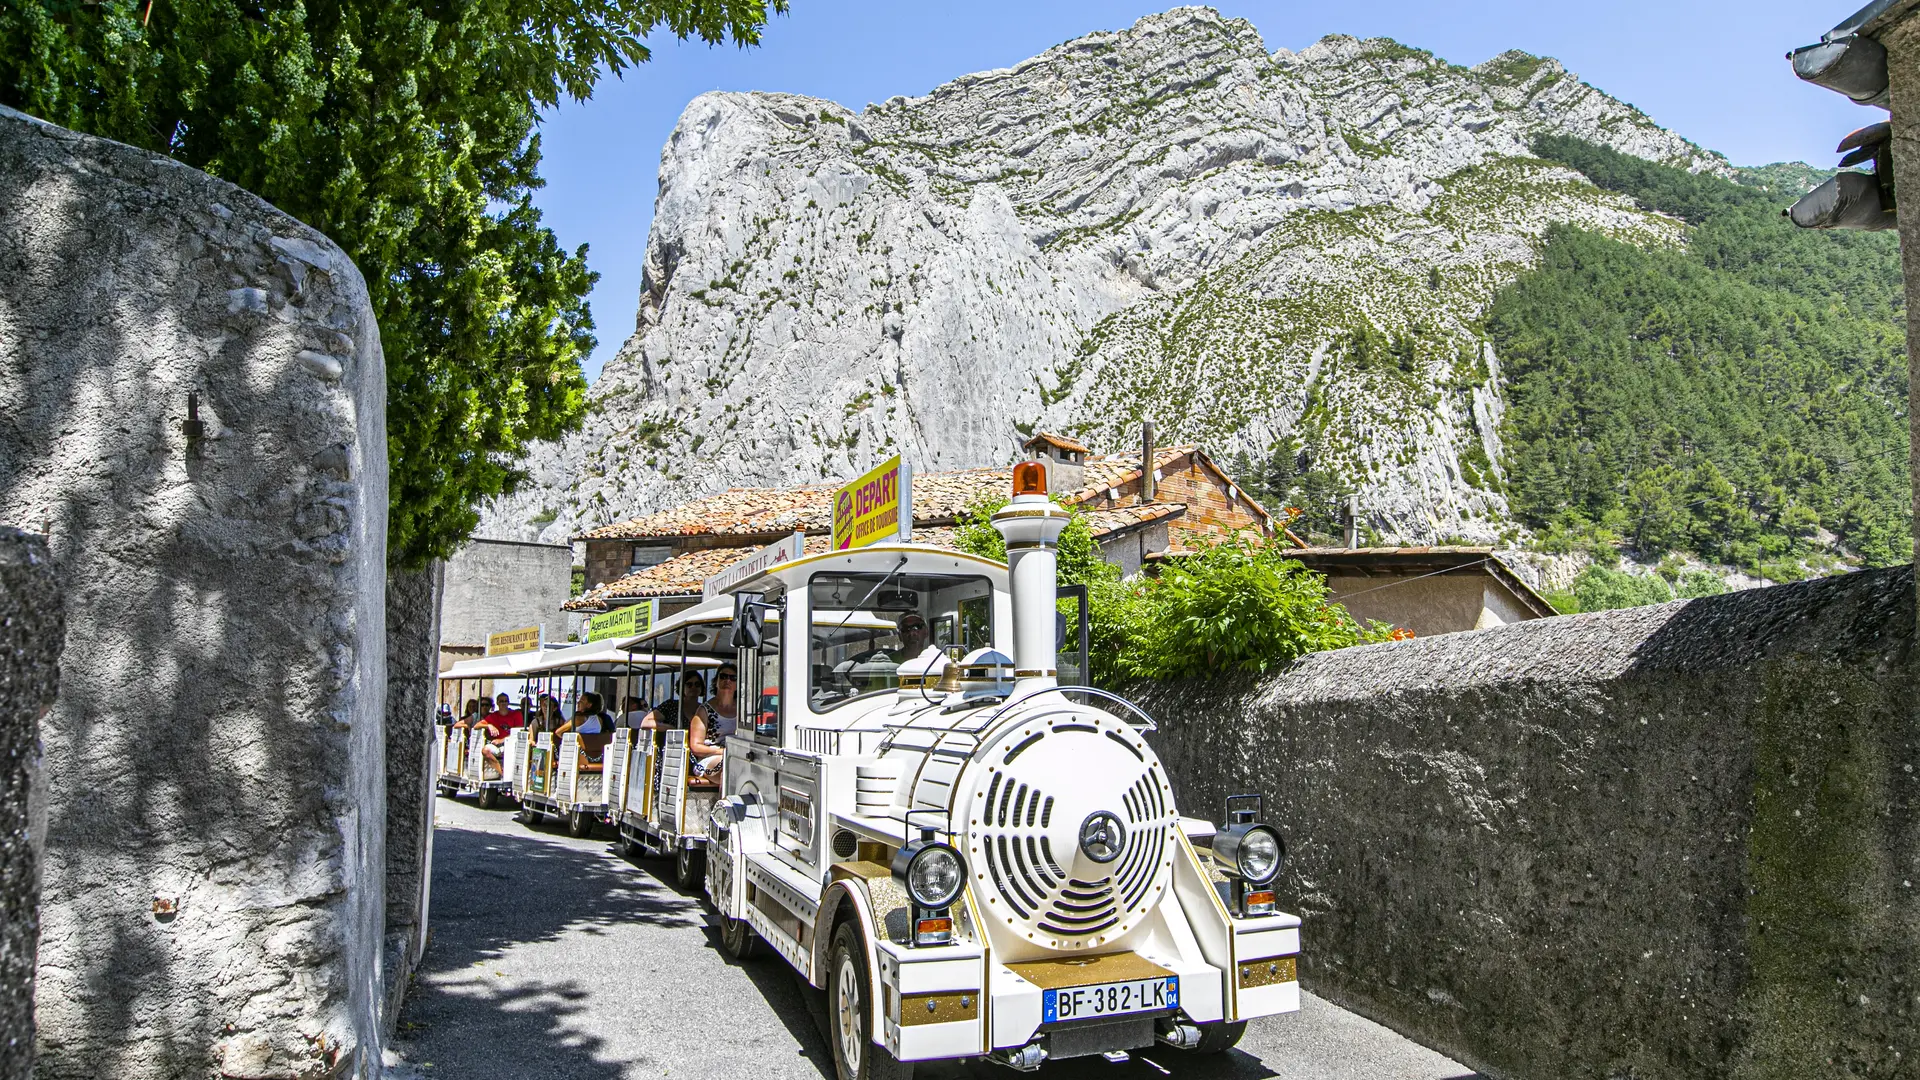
column 462, row 764
column 972, row 859
column 581, row 777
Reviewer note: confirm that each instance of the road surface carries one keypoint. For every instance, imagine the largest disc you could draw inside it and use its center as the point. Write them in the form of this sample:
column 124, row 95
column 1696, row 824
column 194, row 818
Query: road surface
column 557, row 959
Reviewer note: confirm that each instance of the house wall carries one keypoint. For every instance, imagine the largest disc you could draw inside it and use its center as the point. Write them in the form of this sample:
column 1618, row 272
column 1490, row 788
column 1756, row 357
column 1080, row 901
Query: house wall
column 494, row 585
column 1500, row 606
column 1441, row 604
column 1672, row 841
column 607, row 560
column 214, row 880
column 1129, row 550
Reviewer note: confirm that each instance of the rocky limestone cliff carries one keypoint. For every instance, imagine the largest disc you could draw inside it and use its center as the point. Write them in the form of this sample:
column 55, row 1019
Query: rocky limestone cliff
column 1163, row 222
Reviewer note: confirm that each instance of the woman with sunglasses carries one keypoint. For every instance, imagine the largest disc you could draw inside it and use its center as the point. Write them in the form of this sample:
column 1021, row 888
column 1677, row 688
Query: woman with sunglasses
column 707, row 738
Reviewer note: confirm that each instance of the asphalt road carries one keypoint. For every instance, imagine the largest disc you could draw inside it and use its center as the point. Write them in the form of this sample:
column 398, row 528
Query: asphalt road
column 557, row 959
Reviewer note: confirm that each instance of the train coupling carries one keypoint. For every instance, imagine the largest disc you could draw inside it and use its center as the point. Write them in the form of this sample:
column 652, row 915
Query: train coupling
column 1021, row 1059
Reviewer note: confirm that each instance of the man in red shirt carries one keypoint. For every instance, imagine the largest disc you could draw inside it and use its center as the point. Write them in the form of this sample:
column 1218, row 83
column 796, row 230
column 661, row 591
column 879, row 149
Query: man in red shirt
column 499, row 724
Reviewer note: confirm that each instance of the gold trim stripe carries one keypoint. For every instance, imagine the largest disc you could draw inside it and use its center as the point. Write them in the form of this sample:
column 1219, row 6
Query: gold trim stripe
column 1088, row 970
column 943, row 1008
column 1268, row 972
column 1035, row 673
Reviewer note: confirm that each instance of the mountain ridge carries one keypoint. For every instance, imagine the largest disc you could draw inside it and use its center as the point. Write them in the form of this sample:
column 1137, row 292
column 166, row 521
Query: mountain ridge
column 1164, row 221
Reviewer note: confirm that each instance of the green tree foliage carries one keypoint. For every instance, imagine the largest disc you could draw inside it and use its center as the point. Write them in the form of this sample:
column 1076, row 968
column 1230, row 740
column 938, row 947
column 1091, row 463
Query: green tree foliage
column 1238, row 606
column 1293, row 477
column 1603, row 588
column 1730, row 399
column 404, row 131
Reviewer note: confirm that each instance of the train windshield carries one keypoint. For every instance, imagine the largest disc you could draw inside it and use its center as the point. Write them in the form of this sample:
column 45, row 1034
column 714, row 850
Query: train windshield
column 866, row 625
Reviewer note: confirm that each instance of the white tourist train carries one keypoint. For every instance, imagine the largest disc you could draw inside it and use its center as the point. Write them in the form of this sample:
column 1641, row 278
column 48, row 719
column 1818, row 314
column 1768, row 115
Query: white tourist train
column 971, row 859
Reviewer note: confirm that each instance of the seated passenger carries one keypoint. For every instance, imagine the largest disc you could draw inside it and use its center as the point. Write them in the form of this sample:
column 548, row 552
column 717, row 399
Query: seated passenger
column 499, row 725
column 469, row 716
column 677, row 713
column 634, row 712
column 707, row 737
column 592, row 724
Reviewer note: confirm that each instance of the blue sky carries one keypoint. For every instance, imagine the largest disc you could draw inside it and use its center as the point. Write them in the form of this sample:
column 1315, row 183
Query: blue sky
column 1712, row 70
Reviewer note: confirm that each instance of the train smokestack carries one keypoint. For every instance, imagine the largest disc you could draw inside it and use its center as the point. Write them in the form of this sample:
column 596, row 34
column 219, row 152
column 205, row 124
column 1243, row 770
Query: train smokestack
column 1031, row 526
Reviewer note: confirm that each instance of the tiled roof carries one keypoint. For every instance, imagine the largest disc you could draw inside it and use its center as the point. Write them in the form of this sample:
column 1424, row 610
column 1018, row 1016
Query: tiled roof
column 1106, row 522
column 1108, row 471
column 733, row 512
column 939, row 498
column 685, row 574
column 1060, row 441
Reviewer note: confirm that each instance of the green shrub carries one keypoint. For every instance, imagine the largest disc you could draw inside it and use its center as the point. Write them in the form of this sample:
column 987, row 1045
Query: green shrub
column 1238, row 606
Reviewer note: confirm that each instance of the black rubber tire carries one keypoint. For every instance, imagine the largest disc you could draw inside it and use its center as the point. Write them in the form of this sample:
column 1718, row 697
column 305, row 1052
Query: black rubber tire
column 580, row 824
column 689, row 867
column 629, row 849
column 527, row 815
column 489, row 798
column 1219, row 1036
column 738, row 939
column 848, row 1022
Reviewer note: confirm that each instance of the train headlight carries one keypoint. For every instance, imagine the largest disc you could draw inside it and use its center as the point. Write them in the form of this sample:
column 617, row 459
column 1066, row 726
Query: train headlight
column 933, row 874
column 1254, row 851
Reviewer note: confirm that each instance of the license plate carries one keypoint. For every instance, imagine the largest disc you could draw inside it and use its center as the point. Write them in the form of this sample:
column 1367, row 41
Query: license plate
column 1110, row 999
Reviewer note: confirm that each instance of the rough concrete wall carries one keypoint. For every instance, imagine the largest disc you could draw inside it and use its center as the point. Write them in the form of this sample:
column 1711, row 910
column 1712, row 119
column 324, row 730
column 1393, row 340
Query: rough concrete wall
column 413, row 654
column 31, row 630
column 1676, row 841
column 495, row 585
column 213, row 883
column 1903, row 71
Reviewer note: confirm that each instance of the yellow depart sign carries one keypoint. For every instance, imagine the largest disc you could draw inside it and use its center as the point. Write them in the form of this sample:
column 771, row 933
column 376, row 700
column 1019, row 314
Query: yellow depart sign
column 876, row 507
column 511, row 641
column 621, row 621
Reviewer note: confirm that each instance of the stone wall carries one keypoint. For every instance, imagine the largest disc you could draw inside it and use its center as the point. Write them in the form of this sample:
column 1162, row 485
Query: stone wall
column 31, row 631
column 413, row 664
column 495, row 585
column 1902, row 41
column 1675, row 841
column 213, row 883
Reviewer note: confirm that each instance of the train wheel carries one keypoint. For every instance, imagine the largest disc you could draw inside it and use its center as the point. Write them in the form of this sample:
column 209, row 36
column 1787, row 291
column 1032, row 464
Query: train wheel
column 580, row 823
column 738, row 938
column 688, row 867
column 1219, row 1036
column 489, row 798
column 629, row 849
column 850, row 1012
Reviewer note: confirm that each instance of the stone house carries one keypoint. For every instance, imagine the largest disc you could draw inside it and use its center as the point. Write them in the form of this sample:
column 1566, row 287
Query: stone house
column 666, row 555
column 1428, row 590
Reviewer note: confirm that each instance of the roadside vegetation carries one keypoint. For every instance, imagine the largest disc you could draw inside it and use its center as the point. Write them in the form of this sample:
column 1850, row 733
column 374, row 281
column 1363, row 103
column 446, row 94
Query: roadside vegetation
column 1237, row 606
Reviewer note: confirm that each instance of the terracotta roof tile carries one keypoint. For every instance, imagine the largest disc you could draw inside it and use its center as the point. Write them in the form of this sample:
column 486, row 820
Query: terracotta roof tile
column 1061, row 441
column 938, row 499
column 1107, row 522
column 685, row 574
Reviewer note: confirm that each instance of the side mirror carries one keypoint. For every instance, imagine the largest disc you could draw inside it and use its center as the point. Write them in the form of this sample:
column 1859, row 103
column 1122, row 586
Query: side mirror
column 749, row 619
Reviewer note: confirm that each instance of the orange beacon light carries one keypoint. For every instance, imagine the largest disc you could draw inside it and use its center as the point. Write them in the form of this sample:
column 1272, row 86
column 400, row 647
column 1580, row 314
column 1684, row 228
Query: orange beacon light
column 1029, row 478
